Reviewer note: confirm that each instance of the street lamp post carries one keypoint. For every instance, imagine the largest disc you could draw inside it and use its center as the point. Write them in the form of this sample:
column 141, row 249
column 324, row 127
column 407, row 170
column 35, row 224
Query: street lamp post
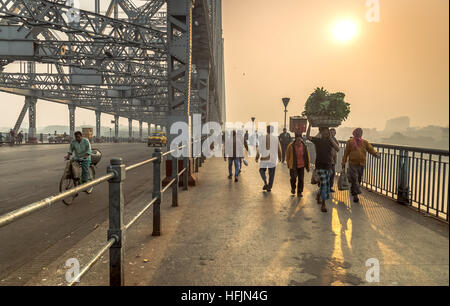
column 285, row 103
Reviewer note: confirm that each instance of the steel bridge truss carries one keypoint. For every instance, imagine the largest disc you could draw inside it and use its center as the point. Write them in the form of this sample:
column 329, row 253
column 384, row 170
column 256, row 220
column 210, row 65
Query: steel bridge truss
column 148, row 63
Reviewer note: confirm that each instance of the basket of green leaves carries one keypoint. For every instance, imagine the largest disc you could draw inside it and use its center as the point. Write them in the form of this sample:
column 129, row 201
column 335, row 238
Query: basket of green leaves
column 324, row 109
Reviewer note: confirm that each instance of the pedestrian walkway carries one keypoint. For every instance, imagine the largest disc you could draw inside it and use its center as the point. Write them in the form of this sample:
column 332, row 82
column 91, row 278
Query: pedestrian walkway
column 233, row 233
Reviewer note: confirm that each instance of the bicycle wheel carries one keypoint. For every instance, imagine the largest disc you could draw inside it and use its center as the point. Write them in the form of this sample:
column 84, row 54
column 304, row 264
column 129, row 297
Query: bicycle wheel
column 66, row 184
column 91, row 177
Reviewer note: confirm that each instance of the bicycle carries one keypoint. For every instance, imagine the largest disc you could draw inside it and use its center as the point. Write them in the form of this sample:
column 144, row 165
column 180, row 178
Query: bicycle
column 72, row 176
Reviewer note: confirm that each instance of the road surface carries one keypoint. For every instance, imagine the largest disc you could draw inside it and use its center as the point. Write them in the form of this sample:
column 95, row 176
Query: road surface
column 32, row 173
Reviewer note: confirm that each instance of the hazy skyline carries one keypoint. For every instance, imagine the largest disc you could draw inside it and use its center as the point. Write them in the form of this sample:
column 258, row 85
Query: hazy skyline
column 397, row 67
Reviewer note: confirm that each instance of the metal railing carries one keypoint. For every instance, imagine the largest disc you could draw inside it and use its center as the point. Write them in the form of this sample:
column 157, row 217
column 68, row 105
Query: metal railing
column 116, row 174
column 414, row 176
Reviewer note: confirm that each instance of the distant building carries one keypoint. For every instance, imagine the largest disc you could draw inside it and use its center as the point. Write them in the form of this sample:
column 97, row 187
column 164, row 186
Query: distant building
column 397, row 124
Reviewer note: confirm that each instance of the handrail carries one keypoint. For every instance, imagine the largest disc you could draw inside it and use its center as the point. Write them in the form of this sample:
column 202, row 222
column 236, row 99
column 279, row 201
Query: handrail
column 407, row 148
column 33, row 207
column 135, row 218
column 145, row 162
column 168, row 185
column 99, row 254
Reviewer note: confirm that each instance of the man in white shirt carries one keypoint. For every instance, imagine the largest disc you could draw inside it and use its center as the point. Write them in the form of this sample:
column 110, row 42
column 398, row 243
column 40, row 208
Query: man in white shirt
column 269, row 151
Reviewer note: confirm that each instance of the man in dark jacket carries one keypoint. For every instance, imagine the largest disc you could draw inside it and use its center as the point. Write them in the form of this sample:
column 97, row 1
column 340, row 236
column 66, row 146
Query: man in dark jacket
column 285, row 140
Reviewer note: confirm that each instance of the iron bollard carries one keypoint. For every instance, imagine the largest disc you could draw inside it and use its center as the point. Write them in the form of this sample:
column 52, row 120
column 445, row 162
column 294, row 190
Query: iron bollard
column 157, row 192
column 175, row 184
column 186, row 173
column 116, row 230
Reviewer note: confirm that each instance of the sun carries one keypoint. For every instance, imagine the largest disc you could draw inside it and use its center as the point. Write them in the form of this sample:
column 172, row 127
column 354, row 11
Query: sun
column 345, row 30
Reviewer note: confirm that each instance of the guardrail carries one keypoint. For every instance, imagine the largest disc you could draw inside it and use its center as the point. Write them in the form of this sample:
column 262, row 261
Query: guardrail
column 45, row 138
column 413, row 176
column 116, row 175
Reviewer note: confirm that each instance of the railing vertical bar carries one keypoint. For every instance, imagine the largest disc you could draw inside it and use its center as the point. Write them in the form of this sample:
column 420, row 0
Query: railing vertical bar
column 410, row 177
column 369, row 176
column 429, row 183
column 416, row 177
column 374, row 173
column 390, row 170
column 397, row 171
column 421, row 185
column 435, row 205
column 443, row 188
column 384, row 171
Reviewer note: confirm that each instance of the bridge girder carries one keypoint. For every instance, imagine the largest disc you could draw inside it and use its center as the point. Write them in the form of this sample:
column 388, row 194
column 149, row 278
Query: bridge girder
column 134, row 56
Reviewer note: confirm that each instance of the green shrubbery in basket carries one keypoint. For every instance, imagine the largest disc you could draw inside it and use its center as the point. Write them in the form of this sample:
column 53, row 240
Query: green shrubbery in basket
column 326, row 109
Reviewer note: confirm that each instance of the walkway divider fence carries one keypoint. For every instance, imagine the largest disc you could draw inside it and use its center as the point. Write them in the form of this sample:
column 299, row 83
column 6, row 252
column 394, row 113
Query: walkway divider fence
column 116, row 175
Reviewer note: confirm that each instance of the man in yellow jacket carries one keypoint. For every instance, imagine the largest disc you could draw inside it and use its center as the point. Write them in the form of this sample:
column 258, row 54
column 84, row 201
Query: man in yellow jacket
column 297, row 160
column 355, row 152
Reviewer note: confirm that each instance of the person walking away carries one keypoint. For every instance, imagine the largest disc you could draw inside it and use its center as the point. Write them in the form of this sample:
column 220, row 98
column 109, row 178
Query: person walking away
column 285, row 140
column 233, row 150
column 333, row 166
column 12, row 135
column 269, row 158
column 297, row 160
column 324, row 159
column 355, row 152
column 20, row 137
column 80, row 148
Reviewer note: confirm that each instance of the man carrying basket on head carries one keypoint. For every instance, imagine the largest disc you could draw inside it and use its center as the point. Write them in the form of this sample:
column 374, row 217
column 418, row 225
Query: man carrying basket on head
column 324, row 145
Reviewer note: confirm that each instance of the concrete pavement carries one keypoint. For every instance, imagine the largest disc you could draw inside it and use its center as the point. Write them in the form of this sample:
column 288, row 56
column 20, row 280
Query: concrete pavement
column 227, row 233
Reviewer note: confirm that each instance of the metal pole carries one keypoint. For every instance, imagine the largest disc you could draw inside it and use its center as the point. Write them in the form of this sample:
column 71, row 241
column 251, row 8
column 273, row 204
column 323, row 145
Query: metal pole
column 32, row 119
column 116, row 128
column 157, row 193
column 140, row 130
column 175, row 184
column 285, row 114
column 186, row 173
column 116, row 227
column 130, row 129
column 98, row 126
column 71, row 120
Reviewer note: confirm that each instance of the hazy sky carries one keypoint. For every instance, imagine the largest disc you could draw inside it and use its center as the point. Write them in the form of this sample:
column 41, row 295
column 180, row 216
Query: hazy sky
column 396, row 67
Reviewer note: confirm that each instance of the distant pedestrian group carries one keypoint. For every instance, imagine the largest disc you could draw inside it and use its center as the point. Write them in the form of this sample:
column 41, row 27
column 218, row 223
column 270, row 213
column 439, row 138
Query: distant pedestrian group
column 271, row 149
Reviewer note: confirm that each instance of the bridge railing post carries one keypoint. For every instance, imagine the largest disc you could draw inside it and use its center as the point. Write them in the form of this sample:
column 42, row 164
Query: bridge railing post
column 175, row 184
column 196, row 164
column 403, row 169
column 186, row 173
column 116, row 229
column 157, row 192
